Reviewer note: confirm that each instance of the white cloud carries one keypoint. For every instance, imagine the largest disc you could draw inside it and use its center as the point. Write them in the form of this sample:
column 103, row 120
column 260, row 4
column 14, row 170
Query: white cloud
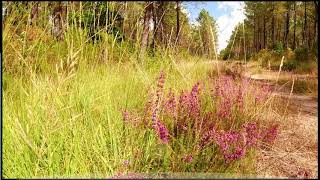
column 185, row 11
column 227, row 22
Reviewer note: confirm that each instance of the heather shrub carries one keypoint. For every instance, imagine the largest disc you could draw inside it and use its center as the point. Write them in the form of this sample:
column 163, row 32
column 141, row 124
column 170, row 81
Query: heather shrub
column 214, row 118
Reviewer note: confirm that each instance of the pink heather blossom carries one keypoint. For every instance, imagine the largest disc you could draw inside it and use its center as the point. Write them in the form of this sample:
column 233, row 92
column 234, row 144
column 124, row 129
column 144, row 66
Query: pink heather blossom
column 225, row 108
column 154, row 114
column 162, row 131
column 188, row 158
column 238, row 153
column 194, row 101
column 159, row 92
column 252, row 134
column 230, row 145
column 170, row 105
column 125, row 115
column 208, row 137
column 183, row 101
column 126, row 163
column 227, row 91
column 239, row 99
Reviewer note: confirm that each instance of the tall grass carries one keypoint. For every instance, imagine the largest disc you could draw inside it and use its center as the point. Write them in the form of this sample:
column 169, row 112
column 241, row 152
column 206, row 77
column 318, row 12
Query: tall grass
column 63, row 103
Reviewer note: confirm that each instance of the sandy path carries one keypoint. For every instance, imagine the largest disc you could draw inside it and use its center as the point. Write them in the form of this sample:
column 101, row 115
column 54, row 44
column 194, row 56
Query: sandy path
column 295, row 153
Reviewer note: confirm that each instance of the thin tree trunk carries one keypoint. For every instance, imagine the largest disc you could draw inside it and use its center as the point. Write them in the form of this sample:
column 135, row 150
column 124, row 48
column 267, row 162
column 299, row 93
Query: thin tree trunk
column 295, row 26
column 155, row 24
column 304, row 38
column 264, row 32
column 259, row 35
column 273, row 23
column 309, row 35
column 146, row 28
column 178, row 22
column 57, row 20
column 316, row 31
column 161, row 14
column 34, row 13
column 286, row 37
column 279, row 32
column 254, row 35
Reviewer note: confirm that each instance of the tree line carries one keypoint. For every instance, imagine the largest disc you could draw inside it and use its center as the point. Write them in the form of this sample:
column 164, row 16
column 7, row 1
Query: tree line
column 275, row 25
column 149, row 25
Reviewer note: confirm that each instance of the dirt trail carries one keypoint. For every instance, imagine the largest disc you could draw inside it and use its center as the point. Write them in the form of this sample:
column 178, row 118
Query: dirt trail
column 295, row 153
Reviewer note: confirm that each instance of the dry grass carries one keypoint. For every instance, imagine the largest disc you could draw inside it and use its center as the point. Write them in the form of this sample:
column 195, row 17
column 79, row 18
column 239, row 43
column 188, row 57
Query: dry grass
column 295, row 152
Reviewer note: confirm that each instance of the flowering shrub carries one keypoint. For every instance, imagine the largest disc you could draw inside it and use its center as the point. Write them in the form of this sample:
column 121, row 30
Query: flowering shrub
column 197, row 120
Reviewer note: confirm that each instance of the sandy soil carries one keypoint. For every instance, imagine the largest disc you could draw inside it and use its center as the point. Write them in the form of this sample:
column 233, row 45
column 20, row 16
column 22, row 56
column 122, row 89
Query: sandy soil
column 295, row 153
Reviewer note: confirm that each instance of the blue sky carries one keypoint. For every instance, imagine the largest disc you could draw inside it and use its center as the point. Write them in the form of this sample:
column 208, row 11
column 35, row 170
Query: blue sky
column 227, row 14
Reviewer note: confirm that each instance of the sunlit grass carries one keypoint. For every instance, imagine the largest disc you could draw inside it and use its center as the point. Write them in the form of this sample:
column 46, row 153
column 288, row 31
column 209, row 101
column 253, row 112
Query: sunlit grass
column 63, row 104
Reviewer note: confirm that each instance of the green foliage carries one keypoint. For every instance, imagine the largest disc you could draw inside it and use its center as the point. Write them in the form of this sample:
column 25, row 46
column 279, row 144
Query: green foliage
column 290, row 65
column 301, row 54
column 96, row 16
column 278, row 47
column 276, row 26
column 297, row 60
column 208, row 33
column 225, row 53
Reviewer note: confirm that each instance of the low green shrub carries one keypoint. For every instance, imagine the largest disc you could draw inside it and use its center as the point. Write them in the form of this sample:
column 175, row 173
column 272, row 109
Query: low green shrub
column 301, row 54
column 278, row 47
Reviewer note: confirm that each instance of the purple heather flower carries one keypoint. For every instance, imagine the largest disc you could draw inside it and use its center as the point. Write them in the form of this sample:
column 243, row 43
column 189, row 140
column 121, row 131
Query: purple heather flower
column 230, row 145
column 188, row 158
column 194, row 100
column 239, row 98
column 208, row 137
column 162, row 131
column 126, row 163
column 125, row 115
column 225, row 108
column 154, row 114
column 183, row 100
column 158, row 95
column 170, row 105
column 252, row 134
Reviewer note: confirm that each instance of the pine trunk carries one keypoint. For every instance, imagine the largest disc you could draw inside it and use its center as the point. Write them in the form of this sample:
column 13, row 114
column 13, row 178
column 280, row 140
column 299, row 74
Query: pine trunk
column 254, row 35
column 178, row 22
column 294, row 26
column 146, row 28
column 57, row 21
column 286, row 37
column 264, row 32
column 304, row 32
column 34, row 13
column 273, row 24
column 316, row 30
